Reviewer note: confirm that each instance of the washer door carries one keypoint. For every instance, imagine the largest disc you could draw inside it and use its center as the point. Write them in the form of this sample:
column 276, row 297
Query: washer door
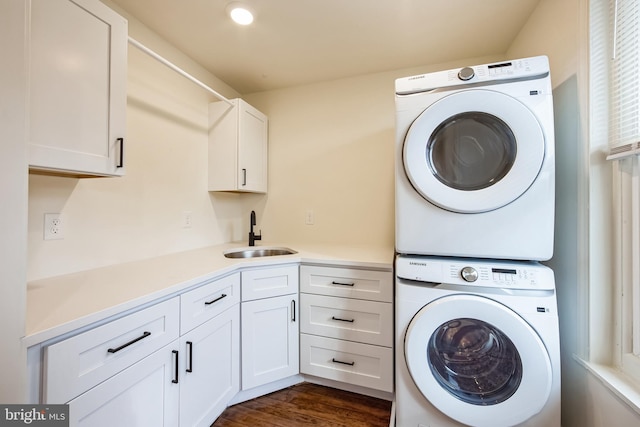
column 474, row 151
column 477, row 361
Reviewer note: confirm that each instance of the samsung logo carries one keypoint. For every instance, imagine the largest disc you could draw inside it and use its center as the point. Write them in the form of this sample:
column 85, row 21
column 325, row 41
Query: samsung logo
column 423, row 264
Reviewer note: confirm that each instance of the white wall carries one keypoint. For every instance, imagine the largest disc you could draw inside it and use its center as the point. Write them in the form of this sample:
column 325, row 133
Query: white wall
column 13, row 193
column 558, row 28
column 552, row 30
column 331, row 148
column 114, row 220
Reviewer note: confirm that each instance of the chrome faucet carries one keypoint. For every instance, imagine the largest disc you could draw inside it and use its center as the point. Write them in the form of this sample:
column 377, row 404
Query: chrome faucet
column 252, row 236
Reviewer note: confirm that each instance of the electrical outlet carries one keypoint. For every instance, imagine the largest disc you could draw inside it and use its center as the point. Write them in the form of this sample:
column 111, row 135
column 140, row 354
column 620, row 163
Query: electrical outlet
column 309, row 217
column 187, row 219
column 53, row 229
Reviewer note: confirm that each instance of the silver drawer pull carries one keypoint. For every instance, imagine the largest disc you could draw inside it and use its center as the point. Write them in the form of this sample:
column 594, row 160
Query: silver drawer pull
column 334, row 360
column 342, row 320
column 117, row 349
column 342, row 283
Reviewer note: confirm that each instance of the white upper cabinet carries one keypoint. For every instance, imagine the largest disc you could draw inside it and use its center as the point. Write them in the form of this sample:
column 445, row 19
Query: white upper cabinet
column 237, row 147
column 77, row 88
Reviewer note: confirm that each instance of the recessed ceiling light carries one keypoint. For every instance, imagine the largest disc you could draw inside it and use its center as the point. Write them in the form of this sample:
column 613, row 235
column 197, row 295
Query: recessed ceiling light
column 240, row 13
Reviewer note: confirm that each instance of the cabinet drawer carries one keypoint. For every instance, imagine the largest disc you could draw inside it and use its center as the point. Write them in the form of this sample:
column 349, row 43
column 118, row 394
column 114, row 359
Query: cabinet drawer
column 347, row 282
column 369, row 322
column 353, row 363
column 78, row 363
column 207, row 301
column 269, row 282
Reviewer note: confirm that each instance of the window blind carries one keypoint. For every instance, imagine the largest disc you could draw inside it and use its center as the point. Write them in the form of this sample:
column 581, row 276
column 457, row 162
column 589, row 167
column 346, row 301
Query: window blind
column 624, row 124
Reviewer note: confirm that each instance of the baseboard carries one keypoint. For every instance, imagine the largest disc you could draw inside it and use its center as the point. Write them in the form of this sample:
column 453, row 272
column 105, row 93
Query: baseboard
column 350, row 387
column 252, row 393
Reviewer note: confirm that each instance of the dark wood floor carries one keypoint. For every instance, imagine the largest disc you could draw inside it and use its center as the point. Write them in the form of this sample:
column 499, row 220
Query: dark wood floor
column 308, row 404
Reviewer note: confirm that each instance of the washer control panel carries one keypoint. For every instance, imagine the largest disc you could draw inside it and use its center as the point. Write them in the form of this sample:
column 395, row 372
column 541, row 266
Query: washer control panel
column 473, row 272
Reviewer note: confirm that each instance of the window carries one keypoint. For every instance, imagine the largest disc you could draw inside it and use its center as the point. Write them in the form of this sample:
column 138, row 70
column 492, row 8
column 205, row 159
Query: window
column 615, row 94
column 627, row 204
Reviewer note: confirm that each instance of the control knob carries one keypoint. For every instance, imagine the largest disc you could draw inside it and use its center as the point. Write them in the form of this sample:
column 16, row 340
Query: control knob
column 469, row 274
column 466, row 73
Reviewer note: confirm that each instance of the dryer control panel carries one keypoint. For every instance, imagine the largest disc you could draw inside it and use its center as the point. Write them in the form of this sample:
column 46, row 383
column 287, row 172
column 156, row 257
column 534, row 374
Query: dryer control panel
column 475, row 272
column 517, row 69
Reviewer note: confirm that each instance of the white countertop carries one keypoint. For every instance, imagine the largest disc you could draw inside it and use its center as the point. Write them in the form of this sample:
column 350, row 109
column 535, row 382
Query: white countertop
column 62, row 304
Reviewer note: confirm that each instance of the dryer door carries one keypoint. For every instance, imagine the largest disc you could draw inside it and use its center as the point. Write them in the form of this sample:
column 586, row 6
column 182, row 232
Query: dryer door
column 474, row 151
column 477, row 361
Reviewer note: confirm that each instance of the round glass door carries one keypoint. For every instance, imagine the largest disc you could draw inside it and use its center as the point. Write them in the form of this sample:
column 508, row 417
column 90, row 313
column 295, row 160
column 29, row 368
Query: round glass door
column 474, row 151
column 477, row 361
column 474, row 361
column 471, row 151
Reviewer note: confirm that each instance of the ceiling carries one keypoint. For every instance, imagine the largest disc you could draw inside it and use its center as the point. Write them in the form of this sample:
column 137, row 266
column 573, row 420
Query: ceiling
column 295, row 42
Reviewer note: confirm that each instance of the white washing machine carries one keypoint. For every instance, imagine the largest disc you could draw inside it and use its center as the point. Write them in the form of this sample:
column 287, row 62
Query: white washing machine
column 475, row 172
column 477, row 343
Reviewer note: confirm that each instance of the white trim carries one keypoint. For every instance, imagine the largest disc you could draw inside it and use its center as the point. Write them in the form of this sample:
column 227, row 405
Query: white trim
column 621, row 385
column 632, row 292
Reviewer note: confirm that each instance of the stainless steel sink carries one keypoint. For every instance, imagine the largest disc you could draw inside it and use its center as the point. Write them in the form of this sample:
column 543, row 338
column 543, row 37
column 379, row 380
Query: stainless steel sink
column 258, row 252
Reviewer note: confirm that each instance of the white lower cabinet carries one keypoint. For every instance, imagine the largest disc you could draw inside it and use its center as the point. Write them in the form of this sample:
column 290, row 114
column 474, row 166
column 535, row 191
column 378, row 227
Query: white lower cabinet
column 143, row 395
column 150, row 369
column 123, row 373
column 270, row 340
column 346, row 325
column 179, row 362
column 210, row 368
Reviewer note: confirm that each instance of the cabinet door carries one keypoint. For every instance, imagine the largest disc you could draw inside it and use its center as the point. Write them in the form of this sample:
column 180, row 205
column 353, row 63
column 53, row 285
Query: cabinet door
column 269, row 340
column 210, row 368
column 78, row 59
column 143, row 395
column 252, row 149
column 237, row 147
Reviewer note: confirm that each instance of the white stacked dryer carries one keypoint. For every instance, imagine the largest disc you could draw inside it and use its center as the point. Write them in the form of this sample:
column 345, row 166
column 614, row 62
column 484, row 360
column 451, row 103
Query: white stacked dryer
column 477, row 335
column 475, row 162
